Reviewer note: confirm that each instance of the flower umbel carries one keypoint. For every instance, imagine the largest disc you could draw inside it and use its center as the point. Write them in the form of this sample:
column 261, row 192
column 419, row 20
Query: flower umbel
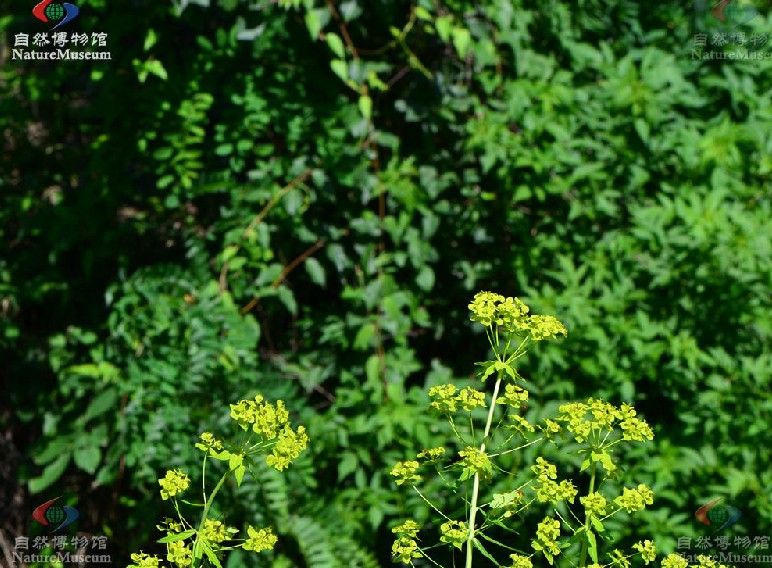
column 259, row 539
column 173, row 483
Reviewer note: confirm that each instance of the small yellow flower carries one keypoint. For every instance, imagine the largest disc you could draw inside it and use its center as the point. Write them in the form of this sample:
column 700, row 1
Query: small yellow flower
column 674, row 561
column 173, row 483
column 647, row 549
column 405, row 549
column 545, row 327
column 216, row 531
column 635, row 499
column 179, row 554
column 409, row 529
column 519, row 561
column 443, row 398
column 209, row 443
column 406, row 472
column 470, row 398
column 594, row 503
column 289, row 445
column 513, row 396
column 142, row 560
column 454, row 533
column 547, row 534
column 259, row 539
column 431, row 454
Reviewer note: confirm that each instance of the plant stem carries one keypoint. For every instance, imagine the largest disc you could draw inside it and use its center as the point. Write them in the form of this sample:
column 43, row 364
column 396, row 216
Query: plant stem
column 583, row 556
column 476, row 483
column 206, row 512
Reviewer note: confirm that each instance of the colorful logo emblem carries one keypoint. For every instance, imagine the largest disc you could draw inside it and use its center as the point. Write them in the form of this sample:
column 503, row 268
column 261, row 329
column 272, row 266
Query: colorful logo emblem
column 733, row 11
column 50, row 514
column 717, row 513
column 47, row 11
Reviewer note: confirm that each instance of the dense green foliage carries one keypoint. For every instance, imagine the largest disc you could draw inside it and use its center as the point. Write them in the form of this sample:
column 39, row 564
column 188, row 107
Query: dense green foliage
column 301, row 200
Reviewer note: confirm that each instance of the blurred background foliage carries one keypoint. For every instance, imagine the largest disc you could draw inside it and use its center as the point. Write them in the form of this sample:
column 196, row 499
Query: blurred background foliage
column 300, row 198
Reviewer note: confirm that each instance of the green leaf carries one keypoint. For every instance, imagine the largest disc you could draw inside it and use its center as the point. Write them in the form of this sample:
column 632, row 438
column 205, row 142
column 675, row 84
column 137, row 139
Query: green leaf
column 597, row 524
column 593, row 546
column 100, row 404
column 315, row 21
column 178, row 536
column 88, row 458
column 238, row 473
column 51, row 473
column 461, row 40
column 210, row 554
column 336, row 44
column 340, row 68
column 316, row 271
column 366, row 106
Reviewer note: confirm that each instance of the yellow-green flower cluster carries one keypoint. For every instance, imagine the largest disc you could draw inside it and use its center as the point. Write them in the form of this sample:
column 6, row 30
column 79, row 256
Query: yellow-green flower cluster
column 261, row 416
column 409, row 529
column 209, row 443
column 520, row 424
column 483, row 307
column 635, row 499
column 431, row 454
column 647, row 549
column 619, row 559
column 406, row 472
column 142, row 560
column 259, row 539
column 594, row 503
column 513, row 396
column 708, row 562
column 216, row 531
column 674, row 561
column 547, row 534
column 179, row 554
column 547, row 489
column 173, row 483
column 473, row 461
column 545, row 327
column 520, row 561
column 511, row 315
column 405, row 549
column 470, row 398
column 454, row 533
column 596, row 415
column 288, row 447
column 443, row 398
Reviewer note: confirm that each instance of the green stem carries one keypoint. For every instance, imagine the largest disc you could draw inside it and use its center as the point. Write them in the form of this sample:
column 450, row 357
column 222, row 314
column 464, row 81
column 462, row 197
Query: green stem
column 206, row 512
column 583, row 557
column 476, row 483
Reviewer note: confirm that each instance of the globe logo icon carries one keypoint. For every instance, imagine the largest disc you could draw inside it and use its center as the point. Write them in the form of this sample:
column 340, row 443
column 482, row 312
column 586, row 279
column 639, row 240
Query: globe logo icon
column 718, row 515
column 55, row 516
column 54, row 12
column 48, row 11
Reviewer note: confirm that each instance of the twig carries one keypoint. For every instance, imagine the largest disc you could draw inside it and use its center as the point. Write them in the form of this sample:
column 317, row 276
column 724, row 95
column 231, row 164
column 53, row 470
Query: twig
column 285, row 272
column 260, row 216
column 343, row 29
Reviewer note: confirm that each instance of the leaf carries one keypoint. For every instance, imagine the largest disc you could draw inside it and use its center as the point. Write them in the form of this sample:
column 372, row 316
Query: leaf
column 87, row 458
column 593, row 546
column 366, row 106
column 178, row 536
column 316, row 271
column 101, row 404
column 238, row 473
column 340, row 68
column 210, row 554
column 461, row 40
column 155, row 67
column 336, row 44
column 425, row 278
column 51, row 473
column 597, row 524
column 315, row 21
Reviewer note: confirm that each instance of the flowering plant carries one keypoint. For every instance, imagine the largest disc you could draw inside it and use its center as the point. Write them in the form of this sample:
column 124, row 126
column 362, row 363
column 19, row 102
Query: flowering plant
column 267, row 433
column 573, row 531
